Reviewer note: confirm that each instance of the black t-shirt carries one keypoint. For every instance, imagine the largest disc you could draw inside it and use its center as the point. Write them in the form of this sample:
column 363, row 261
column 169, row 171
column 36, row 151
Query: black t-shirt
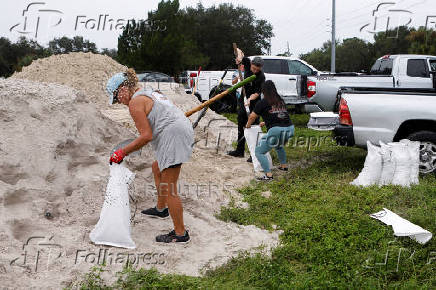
column 256, row 85
column 273, row 117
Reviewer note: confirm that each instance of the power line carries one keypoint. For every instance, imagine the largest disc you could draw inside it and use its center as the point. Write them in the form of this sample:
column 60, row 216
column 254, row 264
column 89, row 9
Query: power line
column 360, row 9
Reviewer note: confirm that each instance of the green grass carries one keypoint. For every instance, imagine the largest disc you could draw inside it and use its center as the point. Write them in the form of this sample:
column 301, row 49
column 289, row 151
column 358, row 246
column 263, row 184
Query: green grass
column 328, row 240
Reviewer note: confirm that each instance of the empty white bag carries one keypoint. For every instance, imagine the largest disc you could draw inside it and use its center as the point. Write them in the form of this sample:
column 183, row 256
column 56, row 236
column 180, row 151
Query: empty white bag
column 413, row 147
column 113, row 227
column 372, row 168
column 402, row 227
column 388, row 164
column 253, row 136
column 401, row 156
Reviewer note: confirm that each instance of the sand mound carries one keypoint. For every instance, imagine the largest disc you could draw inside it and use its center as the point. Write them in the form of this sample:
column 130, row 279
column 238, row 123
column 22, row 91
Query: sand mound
column 54, row 150
column 87, row 72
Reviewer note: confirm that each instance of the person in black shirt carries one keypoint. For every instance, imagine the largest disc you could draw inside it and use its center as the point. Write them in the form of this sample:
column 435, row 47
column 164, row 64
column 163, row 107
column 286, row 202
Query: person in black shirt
column 252, row 92
column 273, row 110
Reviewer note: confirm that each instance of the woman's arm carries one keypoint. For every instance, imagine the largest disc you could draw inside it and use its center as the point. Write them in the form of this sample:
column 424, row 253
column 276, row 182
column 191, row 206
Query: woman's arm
column 253, row 116
column 137, row 108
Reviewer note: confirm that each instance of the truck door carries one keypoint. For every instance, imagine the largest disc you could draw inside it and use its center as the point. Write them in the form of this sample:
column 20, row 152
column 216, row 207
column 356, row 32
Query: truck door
column 414, row 73
column 297, row 68
column 277, row 71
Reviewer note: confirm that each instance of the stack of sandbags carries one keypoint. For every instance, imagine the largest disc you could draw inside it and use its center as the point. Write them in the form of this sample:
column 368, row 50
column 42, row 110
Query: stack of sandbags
column 372, row 168
column 395, row 163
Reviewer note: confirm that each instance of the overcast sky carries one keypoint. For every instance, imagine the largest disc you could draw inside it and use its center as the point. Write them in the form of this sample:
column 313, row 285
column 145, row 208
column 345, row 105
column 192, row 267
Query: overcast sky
column 305, row 24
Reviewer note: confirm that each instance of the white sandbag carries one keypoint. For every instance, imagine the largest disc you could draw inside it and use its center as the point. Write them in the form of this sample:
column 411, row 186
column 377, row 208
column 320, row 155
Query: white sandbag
column 372, row 168
column 414, row 151
column 401, row 156
column 388, row 164
column 253, row 136
column 402, row 227
column 113, row 227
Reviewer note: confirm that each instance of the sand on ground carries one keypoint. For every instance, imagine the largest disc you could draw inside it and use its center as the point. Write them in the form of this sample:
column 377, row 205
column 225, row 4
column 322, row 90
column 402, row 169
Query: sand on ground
column 57, row 132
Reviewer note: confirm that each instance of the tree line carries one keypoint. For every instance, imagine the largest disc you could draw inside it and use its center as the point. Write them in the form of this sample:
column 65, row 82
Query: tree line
column 356, row 55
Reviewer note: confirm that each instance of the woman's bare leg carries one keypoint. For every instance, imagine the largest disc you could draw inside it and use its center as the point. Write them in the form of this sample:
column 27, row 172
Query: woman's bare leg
column 161, row 199
column 168, row 187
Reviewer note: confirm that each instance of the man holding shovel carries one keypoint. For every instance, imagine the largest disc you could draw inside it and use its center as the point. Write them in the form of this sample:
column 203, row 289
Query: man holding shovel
column 252, row 92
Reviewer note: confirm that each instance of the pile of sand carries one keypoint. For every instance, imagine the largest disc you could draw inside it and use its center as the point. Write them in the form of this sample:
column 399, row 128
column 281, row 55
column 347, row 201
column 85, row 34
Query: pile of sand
column 54, row 148
column 87, row 72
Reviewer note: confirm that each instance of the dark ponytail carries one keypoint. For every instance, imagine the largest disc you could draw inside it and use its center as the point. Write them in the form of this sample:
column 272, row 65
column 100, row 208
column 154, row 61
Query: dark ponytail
column 272, row 96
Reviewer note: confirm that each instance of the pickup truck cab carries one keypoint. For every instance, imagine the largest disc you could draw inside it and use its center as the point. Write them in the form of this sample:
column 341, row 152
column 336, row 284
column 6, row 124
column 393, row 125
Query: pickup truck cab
column 389, row 71
column 286, row 73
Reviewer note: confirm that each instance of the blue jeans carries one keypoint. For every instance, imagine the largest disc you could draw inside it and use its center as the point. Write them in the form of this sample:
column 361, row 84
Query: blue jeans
column 275, row 138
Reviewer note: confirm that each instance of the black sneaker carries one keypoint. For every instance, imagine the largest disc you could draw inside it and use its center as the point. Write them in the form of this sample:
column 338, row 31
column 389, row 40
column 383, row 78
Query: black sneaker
column 264, row 178
column 250, row 160
column 236, row 153
column 153, row 212
column 171, row 237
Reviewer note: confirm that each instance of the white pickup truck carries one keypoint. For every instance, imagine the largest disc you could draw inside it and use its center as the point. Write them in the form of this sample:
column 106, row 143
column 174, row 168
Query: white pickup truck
column 284, row 71
column 389, row 71
column 389, row 115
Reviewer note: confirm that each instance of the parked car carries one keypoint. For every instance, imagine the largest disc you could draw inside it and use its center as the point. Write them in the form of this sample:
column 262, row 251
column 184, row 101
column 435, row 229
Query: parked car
column 389, row 71
column 151, row 76
column 284, row 71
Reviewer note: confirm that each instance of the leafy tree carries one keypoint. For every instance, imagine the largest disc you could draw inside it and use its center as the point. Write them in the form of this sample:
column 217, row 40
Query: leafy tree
column 75, row 44
column 193, row 37
column 13, row 56
column 319, row 57
column 159, row 44
column 353, row 55
column 113, row 53
column 6, row 57
column 390, row 43
column 215, row 29
column 422, row 41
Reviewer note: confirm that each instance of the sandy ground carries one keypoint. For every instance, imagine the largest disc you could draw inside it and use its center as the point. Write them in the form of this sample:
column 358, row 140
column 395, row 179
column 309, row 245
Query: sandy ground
column 54, row 148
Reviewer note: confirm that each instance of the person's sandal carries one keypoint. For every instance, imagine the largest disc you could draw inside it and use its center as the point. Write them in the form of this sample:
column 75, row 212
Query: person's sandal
column 264, row 178
column 283, row 168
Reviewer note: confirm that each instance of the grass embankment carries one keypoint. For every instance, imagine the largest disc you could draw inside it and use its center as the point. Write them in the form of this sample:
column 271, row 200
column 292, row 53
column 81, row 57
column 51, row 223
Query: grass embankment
column 328, row 240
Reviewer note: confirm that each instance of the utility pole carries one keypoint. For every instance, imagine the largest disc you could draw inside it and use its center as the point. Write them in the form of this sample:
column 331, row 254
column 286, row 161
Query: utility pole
column 333, row 57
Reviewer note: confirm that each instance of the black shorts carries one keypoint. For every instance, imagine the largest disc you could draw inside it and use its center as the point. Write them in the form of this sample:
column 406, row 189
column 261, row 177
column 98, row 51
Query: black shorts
column 175, row 165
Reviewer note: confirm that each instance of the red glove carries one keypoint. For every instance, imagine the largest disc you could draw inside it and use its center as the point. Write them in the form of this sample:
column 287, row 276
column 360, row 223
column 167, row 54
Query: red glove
column 117, row 156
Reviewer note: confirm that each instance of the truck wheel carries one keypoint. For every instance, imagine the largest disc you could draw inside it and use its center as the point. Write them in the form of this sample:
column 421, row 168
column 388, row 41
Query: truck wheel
column 427, row 150
column 225, row 105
